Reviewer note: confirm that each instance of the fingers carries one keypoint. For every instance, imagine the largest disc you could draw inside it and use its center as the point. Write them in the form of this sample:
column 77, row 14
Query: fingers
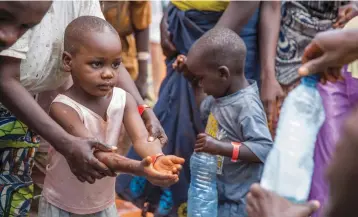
column 309, row 208
column 175, row 159
column 101, row 146
column 163, row 138
column 99, row 169
column 313, row 66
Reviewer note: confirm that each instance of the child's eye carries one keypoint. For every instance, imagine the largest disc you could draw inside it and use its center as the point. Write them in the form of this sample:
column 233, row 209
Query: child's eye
column 116, row 65
column 96, row 65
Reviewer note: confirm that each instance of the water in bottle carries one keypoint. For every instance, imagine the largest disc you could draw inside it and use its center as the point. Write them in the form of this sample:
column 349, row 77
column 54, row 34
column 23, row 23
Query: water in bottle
column 289, row 165
column 202, row 195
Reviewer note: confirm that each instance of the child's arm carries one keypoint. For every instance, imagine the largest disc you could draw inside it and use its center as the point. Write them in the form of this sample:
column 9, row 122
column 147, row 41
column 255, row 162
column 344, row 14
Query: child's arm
column 68, row 118
column 208, row 144
column 138, row 134
column 179, row 66
column 252, row 125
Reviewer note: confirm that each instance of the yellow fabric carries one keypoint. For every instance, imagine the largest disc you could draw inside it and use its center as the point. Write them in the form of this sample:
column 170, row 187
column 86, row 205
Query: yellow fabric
column 126, row 16
column 353, row 67
column 201, row 5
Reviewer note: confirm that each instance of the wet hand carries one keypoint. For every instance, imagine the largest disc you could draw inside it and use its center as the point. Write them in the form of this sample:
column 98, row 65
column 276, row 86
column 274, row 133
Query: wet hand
column 169, row 164
column 156, row 177
column 207, row 144
column 154, row 127
column 83, row 164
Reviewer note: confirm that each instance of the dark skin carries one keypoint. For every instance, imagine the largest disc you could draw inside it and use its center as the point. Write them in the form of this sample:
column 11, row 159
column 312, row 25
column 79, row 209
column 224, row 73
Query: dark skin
column 206, row 81
column 17, row 17
column 236, row 15
column 342, row 176
column 94, row 68
column 142, row 44
column 269, row 28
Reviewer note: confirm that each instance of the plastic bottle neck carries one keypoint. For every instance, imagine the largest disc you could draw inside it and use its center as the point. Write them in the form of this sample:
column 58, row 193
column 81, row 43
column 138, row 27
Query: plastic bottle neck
column 310, row 81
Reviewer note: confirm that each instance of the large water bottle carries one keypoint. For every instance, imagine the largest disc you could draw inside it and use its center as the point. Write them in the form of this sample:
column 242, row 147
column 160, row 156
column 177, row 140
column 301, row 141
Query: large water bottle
column 289, row 166
column 202, row 195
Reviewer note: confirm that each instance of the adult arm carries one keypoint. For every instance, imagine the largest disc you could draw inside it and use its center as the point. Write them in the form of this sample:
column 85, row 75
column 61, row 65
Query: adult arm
column 269, row 27
column 16, row 98
column 237, row 14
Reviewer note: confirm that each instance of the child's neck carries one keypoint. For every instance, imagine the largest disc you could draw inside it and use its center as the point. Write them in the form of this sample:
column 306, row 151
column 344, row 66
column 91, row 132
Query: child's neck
column 238, row 83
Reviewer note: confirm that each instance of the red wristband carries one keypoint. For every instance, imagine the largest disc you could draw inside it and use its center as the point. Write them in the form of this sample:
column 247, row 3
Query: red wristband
column 235, row 151
column 142, row 108
column 155, row 157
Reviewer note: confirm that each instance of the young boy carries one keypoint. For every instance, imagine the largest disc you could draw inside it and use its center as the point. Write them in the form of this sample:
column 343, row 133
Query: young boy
column 236, row 127
column 94, row 108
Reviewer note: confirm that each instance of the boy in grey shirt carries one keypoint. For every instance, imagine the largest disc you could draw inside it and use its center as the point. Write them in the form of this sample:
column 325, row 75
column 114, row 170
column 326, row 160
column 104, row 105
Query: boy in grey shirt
column 236, row 128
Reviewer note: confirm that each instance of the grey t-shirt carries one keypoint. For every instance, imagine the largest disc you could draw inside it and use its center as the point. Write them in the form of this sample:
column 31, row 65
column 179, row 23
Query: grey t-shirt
column 239, row 117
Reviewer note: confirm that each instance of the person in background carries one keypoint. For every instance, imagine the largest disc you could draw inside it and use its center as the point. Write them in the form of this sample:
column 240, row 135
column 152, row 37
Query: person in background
column 300, row 22
column 157, row 56
column 20, row 81
column 327, row 53
column 132, row 19
column 182, row 24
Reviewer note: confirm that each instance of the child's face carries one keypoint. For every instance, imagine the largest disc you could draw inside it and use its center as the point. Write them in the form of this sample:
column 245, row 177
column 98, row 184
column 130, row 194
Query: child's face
column 214, row 81
column 96, row 64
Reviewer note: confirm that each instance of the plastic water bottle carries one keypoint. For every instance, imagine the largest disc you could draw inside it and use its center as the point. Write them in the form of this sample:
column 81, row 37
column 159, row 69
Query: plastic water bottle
column 202, row 195
column 289, row 166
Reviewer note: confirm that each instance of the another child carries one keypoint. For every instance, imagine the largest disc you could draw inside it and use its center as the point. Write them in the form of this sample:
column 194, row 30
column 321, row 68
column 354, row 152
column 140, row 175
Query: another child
column 94, row 107
column 236, row 127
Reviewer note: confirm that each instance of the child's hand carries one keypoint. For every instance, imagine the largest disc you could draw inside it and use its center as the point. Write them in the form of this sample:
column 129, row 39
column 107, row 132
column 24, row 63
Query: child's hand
column 179, row 63
column 169, row 164
column 162, row 179
column 345, row 14
column 207, row 144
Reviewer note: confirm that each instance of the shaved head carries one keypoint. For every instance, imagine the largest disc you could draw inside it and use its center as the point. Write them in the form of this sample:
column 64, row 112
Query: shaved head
column 220, row 47
column 76, row 31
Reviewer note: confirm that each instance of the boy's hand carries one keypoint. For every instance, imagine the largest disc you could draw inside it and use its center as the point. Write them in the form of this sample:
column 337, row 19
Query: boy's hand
column 207, row 144
column 169, row 164
column 179, row 63
column 162, row 179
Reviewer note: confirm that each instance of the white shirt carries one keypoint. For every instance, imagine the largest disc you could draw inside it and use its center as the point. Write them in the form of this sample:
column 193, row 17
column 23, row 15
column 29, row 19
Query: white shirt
column 41, row 47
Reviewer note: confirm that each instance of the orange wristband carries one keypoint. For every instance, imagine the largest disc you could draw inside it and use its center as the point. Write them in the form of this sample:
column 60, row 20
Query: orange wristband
column 142, row 108
column 235, row 151
column 155, row 157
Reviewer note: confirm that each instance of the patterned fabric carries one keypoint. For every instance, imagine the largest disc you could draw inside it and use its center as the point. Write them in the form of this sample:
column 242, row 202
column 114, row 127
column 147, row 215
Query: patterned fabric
column 126, row 16
column 323, row 9
column 298, row 27
column 18, row 147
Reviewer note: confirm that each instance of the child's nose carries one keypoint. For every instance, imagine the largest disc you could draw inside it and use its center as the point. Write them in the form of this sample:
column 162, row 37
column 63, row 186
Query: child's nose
column 107, row 74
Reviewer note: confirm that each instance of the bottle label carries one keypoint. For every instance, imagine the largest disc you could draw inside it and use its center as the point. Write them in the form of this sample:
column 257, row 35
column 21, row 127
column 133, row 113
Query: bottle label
column 219, row 168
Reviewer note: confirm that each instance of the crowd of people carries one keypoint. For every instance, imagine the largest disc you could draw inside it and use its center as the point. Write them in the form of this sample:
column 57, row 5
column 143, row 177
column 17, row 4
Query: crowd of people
column 74, row 74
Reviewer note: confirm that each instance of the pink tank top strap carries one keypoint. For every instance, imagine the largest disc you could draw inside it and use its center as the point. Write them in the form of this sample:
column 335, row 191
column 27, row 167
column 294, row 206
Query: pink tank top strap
column 69, row 102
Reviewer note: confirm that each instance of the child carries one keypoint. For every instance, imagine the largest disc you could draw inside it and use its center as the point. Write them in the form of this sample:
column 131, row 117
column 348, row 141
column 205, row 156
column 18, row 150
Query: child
column 236, row 129
column 93, row 107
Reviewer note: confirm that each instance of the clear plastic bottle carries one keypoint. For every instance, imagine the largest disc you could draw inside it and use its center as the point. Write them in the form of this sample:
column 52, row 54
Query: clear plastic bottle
column 202, row 195
column 289, row 166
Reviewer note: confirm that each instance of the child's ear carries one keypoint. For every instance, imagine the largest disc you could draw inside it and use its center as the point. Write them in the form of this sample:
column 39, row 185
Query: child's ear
column 224, row 72
column 67, row 61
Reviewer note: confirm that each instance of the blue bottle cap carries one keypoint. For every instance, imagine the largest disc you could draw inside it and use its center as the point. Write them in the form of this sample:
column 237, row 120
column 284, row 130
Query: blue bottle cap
column 310, row 80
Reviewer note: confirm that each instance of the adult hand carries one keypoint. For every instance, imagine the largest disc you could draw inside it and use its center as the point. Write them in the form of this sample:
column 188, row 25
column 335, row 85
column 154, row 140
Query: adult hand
column 83, row 164
column 271, row 94
column 328, row 52
column 169, row 164
column 155, row 177
column 206, row 143
column 168, row 47
column 345, row 14
column 154, row 127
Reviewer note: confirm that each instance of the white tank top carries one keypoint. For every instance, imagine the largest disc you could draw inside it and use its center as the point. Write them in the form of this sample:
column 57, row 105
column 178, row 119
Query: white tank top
column 61, row 187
